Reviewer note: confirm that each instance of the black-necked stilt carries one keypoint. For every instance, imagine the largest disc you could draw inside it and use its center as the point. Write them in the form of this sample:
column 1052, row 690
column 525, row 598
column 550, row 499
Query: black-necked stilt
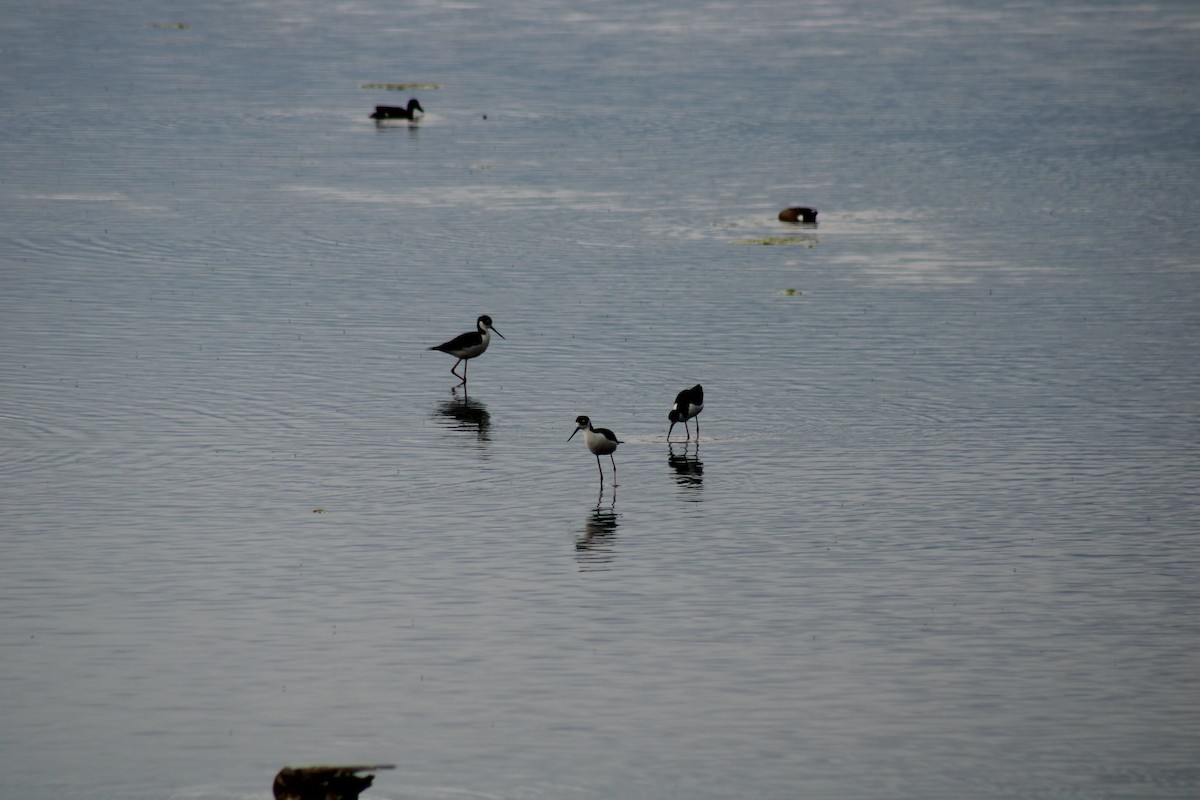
column 688, row 404
column 798, row 214
column 601, row 441
column 469, row 345
column 398, row 112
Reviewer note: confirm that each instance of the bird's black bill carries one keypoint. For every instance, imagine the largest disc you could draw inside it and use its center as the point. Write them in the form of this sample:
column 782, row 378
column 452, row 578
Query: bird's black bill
column 572, row 436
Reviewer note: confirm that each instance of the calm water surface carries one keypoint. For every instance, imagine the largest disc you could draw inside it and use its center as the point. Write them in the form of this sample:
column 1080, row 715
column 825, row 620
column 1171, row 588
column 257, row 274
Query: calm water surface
column 938, row 536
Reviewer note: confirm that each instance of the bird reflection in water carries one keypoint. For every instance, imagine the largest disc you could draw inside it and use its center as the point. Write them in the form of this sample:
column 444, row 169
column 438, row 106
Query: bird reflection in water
column 595, row 548
column 465, row 414
column 689, row 469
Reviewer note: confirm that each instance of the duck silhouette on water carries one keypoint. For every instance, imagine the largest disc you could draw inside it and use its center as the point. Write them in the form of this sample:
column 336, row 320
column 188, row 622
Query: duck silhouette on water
column 399, row 112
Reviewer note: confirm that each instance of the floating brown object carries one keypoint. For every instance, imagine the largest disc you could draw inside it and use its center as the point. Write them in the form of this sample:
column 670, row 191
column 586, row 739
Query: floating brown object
column 324, row 783
column 798, row 214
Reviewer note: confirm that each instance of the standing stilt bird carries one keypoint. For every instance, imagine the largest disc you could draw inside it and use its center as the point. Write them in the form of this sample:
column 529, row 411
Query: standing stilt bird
column 469, row 345
column 688, row 405
column 601, row 441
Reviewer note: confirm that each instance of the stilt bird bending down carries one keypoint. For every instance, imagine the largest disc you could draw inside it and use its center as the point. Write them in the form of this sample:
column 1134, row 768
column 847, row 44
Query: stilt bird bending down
column 688, row 405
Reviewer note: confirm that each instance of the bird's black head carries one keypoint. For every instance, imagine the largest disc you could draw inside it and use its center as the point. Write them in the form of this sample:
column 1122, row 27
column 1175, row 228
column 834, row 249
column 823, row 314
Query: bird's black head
column 582, row 423
column 485, row 323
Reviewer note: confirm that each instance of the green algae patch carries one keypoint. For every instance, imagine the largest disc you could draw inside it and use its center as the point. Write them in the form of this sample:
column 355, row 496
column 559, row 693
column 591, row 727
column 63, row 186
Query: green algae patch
column 807, row 241
column 400, row 87
column 791, row 293
column 171, row 26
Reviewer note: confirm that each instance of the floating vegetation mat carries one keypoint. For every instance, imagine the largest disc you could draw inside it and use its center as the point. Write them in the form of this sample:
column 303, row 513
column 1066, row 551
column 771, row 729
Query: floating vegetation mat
column 791, row 293
column 175, row 26
column 807, row 241
column 400, row 87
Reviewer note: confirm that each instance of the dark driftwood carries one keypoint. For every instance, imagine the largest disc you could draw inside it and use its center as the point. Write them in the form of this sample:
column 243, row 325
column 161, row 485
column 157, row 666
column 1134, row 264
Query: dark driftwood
column 324, row 783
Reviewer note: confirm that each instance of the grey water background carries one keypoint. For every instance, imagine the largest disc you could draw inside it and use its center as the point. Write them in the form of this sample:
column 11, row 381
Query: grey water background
column 938, row 538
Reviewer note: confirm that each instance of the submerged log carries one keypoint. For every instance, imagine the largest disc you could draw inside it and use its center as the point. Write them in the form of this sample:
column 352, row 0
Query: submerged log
column 324, row 783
